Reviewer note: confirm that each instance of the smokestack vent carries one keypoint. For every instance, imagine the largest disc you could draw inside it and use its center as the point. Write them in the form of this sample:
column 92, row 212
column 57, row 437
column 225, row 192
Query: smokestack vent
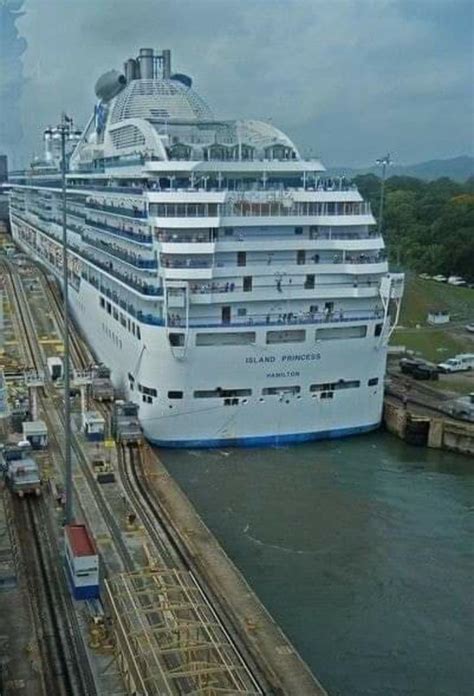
column 145, row 61
column 166, row 64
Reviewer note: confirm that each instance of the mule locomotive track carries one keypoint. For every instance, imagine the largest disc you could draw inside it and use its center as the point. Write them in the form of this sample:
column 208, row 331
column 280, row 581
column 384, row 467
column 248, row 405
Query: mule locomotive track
column 171, row 550
column 65, row 647
column 65, row 667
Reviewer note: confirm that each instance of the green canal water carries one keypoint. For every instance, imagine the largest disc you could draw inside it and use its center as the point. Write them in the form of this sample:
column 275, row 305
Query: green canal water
column 361, row 549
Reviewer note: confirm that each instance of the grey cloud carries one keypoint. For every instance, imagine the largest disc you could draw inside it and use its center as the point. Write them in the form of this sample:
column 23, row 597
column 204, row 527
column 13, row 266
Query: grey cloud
column 347, row 79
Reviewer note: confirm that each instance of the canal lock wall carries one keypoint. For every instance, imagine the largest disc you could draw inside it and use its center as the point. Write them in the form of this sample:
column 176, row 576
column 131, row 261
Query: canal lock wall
column 428, row 430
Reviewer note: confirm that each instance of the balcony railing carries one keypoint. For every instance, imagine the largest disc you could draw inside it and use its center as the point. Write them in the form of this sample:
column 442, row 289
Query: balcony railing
column 134, row 212
column 244, row 208
column 214, row 236
column 280, row 319
column 130, row 280
column 132, row 259
column 211, row 288
column 138, row 237
column 268, row 260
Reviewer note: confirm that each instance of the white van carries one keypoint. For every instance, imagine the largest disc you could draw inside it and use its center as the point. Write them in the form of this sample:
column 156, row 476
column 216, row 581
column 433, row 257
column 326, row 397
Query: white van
column 462, row 362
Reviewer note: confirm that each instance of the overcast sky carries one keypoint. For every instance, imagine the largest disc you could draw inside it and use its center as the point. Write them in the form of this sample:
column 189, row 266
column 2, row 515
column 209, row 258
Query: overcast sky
column 348, row 80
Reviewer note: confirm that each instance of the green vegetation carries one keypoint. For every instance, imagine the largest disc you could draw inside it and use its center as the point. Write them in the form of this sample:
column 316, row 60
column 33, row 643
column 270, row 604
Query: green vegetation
column 422, row 295
column 434, row 343
column 428, row 226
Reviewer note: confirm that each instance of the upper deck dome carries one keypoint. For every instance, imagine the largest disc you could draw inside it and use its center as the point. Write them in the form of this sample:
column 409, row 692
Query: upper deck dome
column 159, row 100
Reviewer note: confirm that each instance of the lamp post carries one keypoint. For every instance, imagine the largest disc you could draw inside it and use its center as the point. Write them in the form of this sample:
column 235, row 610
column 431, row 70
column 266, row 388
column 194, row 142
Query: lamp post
column 384, row 162
column 65, row 129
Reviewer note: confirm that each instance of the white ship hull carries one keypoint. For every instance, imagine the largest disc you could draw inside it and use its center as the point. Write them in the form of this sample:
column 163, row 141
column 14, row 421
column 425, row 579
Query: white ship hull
column 256, row 419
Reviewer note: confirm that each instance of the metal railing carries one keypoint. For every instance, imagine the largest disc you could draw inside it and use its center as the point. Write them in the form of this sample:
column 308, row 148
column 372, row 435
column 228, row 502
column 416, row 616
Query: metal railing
column 132, row 259
column 139, row 237
column 133, row 212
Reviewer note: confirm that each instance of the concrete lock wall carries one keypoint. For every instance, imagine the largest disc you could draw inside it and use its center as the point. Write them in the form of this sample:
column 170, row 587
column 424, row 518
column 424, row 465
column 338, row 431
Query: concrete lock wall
column 455, row 436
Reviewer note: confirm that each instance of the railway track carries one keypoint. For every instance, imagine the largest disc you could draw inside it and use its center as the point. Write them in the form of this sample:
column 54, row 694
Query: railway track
column 61, row 648
column 64, row 657
column 130, row 466
column 172, row 553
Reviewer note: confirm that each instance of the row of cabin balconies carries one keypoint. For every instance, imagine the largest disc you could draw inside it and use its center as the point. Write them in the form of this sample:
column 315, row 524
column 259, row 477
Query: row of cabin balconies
column 274, row 318
column 274, row 233
column 118, row 208
column 235, row 293
column 268, row 263
column 139, row 235
column 144, row 317
column 211, row 272
column 271, row 245
column 119, row 252
column 126, row 278
column 198, row 223
column 260, row 209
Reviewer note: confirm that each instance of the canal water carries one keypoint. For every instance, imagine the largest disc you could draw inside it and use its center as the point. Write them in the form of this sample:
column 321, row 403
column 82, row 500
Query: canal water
column 360, row 548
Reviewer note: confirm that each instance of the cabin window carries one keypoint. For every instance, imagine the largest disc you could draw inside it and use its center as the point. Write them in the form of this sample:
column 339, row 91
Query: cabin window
column 175, row 395
column 373, row 382
column 176, row 339
column 378, row 329
column 277, row 391
column 221, row 393
column 237, row 338
column 340, row 332
column 290, row 336
column 335, row 386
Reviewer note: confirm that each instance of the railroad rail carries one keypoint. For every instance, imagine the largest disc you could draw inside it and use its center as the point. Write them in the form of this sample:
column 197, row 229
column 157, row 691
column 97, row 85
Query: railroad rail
column 175, row 557
column 229, row 657
column 65, row 665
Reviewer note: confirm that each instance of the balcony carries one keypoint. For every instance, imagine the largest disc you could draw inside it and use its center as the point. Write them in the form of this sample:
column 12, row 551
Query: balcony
column 138, row 237
column 216, row 293
column 269, row 266
column 125, row 278
column 131, row 259
column 261, row 209
column 134, row 211
column 280, row 319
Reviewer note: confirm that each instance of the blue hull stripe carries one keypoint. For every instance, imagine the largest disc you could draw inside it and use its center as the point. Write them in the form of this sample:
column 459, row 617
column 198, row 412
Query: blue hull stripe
column 263, row 440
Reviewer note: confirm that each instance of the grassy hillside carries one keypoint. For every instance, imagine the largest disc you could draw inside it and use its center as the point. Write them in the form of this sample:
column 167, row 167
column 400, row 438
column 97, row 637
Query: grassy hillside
column 435, row 343
column 421, row 295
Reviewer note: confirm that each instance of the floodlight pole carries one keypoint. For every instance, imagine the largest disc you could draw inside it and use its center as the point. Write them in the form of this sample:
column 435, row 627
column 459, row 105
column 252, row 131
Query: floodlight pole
column 384, row 162
column 64, row 130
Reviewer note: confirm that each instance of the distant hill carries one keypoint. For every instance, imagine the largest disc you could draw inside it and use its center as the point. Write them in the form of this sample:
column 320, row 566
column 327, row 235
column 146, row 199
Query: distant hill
column 456, row 168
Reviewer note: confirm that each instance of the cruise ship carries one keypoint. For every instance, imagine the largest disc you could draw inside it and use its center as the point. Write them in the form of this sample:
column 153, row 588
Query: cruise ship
column 238, row 293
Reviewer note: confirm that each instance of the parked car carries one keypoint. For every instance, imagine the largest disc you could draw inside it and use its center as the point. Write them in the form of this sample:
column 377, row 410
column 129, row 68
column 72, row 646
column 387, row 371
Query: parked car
column 424, row 371
column 407, row 365
column 463, row 407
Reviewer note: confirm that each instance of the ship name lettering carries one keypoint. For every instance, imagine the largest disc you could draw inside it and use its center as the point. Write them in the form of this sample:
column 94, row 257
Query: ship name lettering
column 262, row 359
column 301, row 357
column 289, row 373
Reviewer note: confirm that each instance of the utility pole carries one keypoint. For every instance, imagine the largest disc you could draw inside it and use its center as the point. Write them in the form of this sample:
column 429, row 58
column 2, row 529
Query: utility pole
column 65, row 129
column 384, row 162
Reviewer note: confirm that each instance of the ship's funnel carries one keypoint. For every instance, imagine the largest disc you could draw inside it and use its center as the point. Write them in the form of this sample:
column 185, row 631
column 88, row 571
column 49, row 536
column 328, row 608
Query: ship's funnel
column 131, row 69
column 166, row 64
column 109, row 85
column 145, row 61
